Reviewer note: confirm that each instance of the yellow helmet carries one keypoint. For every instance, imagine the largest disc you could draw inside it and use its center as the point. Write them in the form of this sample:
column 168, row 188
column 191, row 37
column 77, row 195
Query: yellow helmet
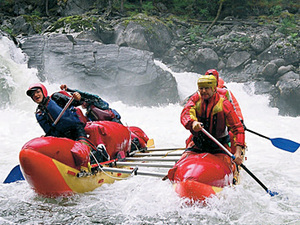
column 207, row 81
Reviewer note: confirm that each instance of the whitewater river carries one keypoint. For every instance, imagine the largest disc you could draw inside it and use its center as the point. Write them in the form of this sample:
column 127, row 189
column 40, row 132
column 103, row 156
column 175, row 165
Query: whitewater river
column 148, row 200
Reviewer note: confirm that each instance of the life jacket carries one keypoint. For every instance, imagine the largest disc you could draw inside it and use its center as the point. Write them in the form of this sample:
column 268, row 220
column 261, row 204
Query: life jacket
column 224, row 93
column 221, row 83
column 49, row 111
column 211, row 114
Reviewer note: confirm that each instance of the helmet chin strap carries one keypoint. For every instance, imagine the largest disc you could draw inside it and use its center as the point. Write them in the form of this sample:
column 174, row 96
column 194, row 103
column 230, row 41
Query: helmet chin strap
column 45, row 99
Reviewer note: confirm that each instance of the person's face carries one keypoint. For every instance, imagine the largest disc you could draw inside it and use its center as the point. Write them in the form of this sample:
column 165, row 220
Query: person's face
column 37, row 96
column 84, row 105
column 206, row 92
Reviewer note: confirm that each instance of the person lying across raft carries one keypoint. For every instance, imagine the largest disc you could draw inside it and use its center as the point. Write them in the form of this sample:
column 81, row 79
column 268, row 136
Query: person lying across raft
column 97, row 108
column 207, row 109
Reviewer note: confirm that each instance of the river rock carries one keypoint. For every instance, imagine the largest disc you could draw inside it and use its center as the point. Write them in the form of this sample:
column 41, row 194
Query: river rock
column 121, row 73
column 243, row 50
column 288, row 101
column 270, row 70
column 281, row 49
column 145, row 34
column 205, row 59
column 284, row 69
column 260, row 42
column 237, row 59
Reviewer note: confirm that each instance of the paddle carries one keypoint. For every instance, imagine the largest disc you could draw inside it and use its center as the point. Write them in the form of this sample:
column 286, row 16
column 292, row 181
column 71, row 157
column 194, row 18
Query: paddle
column 242, row 165
column 280, row 143
column 63, row 111
column 16, row 173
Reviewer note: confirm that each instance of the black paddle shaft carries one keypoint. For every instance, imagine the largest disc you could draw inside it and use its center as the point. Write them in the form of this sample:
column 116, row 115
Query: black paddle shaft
column 251, row 131
column 254, row 177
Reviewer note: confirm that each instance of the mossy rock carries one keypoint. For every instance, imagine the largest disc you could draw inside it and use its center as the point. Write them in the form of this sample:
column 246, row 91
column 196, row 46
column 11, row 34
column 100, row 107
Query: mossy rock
column 75, row 23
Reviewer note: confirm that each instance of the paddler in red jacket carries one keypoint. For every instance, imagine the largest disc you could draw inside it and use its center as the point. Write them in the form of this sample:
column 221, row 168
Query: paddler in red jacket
column 227, row 94
column 223, row 90
column 209, row 110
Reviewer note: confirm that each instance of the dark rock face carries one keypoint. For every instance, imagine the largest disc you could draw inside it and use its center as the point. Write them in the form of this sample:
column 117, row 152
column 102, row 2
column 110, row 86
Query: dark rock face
column 122, row 73
column 150, row 35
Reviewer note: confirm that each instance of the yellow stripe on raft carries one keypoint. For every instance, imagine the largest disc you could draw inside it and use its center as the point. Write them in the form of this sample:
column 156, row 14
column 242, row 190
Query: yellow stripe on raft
column 216, row 189
column 87, row 183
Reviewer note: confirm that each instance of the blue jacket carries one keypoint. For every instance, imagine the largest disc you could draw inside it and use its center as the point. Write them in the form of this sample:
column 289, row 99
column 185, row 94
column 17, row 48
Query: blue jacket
column 47, row 113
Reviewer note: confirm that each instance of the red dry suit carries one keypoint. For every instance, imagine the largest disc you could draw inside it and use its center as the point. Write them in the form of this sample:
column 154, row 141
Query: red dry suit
column 217, row 114
column 224, row 93
column 231, row 98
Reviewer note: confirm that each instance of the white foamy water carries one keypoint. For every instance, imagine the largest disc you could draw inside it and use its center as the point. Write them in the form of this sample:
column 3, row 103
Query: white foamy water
column 147, row 200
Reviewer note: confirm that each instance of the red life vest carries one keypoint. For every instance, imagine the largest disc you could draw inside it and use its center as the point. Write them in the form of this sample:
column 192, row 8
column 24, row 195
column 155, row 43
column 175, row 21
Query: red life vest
column 216, row 114
column 209, row 113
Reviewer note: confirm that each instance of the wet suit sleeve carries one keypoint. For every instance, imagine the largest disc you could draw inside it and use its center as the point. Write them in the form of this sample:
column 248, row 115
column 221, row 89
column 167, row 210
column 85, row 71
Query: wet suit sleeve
column 94, row 100
column 189, row 112
column 234, row 124
column 236, row 106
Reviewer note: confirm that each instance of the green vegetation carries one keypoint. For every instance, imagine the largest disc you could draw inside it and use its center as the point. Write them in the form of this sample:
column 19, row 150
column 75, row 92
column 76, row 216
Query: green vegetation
column 35, row 22
column 197, row 9
column 206, row 10
column 282, row 13
column 75, row 23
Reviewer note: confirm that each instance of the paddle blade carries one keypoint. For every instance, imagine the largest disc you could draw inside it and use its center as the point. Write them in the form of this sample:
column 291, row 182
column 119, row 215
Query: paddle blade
column 272, row 193
column 285, row 144
column 14, row 175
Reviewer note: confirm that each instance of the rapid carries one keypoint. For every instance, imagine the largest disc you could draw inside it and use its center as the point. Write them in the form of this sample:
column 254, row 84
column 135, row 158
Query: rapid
column 148, row 200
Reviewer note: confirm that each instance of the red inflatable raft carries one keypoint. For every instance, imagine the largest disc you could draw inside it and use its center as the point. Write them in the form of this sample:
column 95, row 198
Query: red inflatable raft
column 199, row 175
column 60, row 166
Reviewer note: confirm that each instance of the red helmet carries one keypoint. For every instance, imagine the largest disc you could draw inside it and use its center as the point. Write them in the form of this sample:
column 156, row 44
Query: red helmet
column 36, row 86
column 213, row 72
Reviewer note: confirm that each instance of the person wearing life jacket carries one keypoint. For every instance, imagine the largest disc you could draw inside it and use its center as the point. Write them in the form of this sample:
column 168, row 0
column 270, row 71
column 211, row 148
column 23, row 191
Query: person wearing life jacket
column 47, row 111
column 62, row 97
column 209, row 110
column 97, row 108
column 222, row 89
column 223, row 92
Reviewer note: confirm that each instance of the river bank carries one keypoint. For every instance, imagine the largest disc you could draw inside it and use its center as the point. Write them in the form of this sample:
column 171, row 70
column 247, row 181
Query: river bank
column 108, row 48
